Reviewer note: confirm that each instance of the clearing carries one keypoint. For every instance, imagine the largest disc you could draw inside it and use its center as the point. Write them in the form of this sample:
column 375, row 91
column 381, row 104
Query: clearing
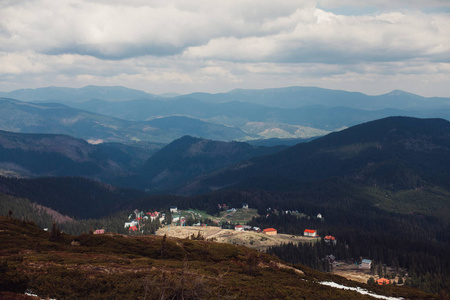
column 251, row 239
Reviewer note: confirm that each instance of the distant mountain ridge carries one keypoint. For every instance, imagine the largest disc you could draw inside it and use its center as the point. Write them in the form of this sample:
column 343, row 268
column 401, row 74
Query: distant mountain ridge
column 297, row 96
column 26, row 117
column 111, row 93
column 242, row 114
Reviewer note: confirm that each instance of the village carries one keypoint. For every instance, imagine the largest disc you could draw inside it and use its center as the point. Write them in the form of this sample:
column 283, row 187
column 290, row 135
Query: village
column 231, row 227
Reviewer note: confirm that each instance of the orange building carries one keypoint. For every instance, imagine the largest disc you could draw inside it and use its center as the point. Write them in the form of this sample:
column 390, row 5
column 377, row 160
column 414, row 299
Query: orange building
column 270, row 231
column 383, row 281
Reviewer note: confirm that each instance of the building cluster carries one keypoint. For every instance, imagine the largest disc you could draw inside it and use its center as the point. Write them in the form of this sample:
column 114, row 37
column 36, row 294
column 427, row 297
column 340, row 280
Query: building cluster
column 137, row 219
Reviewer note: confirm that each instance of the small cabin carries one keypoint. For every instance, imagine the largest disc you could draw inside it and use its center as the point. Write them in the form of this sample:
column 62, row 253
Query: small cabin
column 366, row 264
column 239, row 228
column 270, row 231
column 310, row 233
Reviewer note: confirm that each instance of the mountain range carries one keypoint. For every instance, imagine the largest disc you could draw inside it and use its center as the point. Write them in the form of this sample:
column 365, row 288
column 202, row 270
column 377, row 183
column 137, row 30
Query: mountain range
column 141, row 165
column 286, row 113
column 26, row 117
column 398, row 155
column 377, row 176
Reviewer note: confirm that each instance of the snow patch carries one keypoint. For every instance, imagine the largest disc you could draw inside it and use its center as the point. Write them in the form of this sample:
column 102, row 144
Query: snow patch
column 358, row 289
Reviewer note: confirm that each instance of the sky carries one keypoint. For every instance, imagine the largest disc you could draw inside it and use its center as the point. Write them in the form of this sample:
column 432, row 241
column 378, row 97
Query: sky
column 183, row 46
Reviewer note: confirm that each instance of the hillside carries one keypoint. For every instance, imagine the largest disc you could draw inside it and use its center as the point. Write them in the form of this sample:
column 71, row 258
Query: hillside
column 395, row 153
column 55, row 265
column 189, row 157
column 73, row 196
column 250, row 239
column 32, row 155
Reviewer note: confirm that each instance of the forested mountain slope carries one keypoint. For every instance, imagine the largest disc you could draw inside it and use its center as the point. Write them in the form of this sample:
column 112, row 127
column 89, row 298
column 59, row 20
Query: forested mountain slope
column 395, row 152
column 73, row 196
column 187, row 158
column 32, row 155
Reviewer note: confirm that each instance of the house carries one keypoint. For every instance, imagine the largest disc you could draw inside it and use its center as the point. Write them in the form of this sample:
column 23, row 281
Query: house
column 99, row 231
column 152, row 215
column 319, row 216
column 130, row 224
column 231, row 210
column 383, row 281
column 239, row 228
column 132, row 228
column 247, row 227
column 174, row 220
column 173, row 209
column 256, row 229
column 365, row 264
column 270, row 231
column 330, row 240
column 245, row 206
column 310, row 233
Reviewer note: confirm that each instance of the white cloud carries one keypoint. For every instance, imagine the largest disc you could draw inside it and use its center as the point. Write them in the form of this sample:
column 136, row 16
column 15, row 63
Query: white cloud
column 208, row 45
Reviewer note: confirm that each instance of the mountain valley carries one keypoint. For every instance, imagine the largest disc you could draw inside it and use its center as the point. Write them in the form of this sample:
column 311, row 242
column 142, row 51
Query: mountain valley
column 378, row 181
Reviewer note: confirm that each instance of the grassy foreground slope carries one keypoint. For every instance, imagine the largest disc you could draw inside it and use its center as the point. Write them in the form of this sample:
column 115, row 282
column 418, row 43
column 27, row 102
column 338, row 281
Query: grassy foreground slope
column 115, row 266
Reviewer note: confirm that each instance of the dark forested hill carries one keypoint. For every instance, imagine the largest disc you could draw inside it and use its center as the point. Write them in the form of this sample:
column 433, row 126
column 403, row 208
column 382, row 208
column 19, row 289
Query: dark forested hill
column 395, row 152
column 187, row 158
column 73, row 196
column 33, row 155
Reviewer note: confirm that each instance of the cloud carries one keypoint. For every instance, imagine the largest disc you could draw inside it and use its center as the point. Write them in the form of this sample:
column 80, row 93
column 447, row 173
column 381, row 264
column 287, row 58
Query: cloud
column 233, row 30
column 183, row 46
column 319, row 36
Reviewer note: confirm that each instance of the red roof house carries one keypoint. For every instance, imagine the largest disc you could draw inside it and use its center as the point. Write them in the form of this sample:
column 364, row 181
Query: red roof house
column 239, row 228
column 329, row 239
column 310, row 233
column 270, row 231
column 133, row 228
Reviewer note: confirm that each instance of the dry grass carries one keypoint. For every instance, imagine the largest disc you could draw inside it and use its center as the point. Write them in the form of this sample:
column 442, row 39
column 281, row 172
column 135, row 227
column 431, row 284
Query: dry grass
column 251, row 239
